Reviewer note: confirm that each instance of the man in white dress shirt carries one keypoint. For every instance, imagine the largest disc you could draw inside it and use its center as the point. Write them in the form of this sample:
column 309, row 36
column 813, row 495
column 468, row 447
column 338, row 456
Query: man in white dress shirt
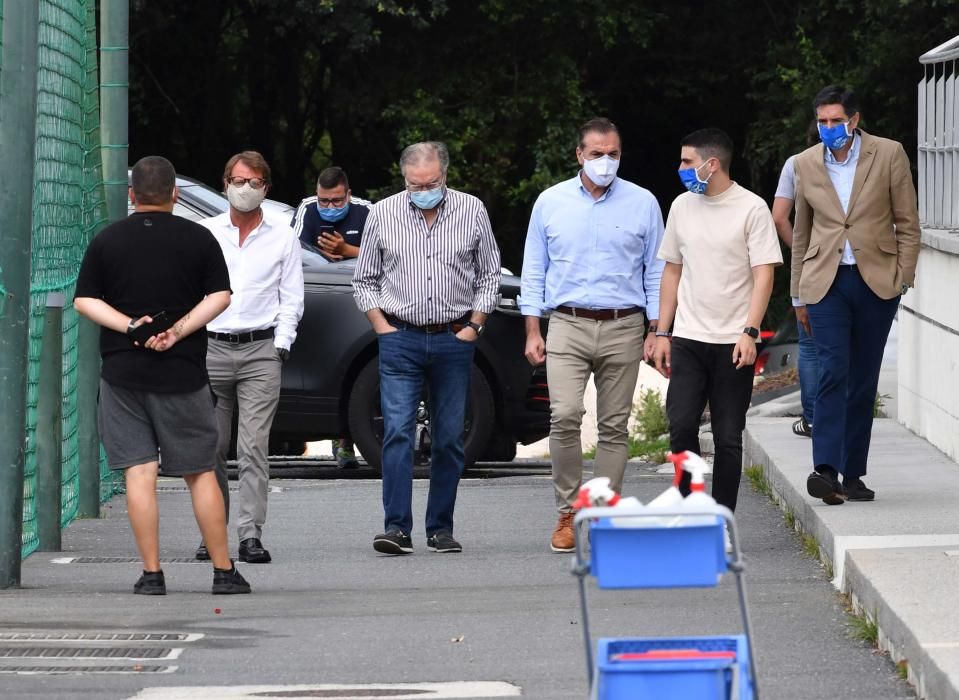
column 248, row 345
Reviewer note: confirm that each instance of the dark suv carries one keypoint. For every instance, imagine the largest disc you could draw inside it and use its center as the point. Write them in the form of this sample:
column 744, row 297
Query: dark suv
column 331, row 381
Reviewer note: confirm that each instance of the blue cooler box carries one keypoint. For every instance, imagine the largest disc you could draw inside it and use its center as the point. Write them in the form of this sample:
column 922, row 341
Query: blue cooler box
column 657, row 557
column 681, row 668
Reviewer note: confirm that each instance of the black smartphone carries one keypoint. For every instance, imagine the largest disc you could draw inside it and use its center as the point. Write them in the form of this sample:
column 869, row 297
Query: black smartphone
column 325, row 228
column 161, row 322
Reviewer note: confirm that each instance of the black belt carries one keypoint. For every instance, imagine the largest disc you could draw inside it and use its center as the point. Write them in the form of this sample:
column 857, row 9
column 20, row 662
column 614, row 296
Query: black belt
column 454, row 326
column 599, row 314
column 245, row 337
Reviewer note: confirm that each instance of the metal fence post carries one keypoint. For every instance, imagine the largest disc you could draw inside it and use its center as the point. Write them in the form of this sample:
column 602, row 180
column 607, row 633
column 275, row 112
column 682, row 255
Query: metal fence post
column 18, row 111
column 50, row 427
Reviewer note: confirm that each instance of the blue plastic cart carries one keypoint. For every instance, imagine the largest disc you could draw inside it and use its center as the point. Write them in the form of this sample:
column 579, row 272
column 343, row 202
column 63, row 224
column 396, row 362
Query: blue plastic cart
column 664, row 548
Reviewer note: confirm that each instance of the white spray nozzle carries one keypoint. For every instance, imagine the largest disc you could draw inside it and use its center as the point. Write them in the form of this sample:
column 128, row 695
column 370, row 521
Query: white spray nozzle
column 596, row 493
column 697, row 468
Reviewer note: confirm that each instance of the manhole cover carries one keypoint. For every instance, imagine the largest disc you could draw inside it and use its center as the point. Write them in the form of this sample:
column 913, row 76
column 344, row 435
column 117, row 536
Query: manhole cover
column 121, row 560
column 59, row 670
column 85, row 653
column 96, row 637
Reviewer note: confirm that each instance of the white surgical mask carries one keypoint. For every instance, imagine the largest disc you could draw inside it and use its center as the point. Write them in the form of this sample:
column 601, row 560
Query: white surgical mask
column 602, row 170
column 245, row 198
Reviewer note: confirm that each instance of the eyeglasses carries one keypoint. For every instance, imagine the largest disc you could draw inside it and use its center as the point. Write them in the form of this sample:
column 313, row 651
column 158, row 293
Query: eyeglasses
column 331, row 202
column 255, row 182
column 424, row 188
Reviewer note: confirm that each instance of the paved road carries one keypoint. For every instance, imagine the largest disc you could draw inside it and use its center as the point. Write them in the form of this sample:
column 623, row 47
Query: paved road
column 329, row 610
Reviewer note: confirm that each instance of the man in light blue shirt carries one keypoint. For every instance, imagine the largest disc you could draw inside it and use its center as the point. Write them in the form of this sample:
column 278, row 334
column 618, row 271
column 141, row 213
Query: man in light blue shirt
column 590, row 258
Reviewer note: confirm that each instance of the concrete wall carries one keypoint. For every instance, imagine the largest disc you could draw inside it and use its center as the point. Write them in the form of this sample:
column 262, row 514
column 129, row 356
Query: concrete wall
column 928, row 367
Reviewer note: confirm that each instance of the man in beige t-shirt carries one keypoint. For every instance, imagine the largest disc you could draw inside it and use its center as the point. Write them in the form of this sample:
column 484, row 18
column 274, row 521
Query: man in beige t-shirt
column 720, row 248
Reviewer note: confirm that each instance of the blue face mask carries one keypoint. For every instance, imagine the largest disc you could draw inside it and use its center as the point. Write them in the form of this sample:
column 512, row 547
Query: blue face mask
column 690, row 178
column 333, row 213
column 835, row 137
column 428, row 199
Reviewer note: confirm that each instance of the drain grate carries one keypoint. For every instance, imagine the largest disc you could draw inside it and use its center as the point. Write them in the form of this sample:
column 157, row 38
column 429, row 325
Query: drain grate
column 87, row 653
column 122, row 560
column 59, row 670
column 96, row 637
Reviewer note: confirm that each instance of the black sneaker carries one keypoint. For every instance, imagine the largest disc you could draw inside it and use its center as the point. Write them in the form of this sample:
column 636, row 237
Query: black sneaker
column 202, row 554
column 857, row 491
column 151, row 583
column 393, row 542
column 824, row 483
column 252, row 552
column 443, row 542
column 229, row 581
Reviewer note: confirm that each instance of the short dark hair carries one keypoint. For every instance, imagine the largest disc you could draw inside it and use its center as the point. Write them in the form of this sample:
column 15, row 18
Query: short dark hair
column 251, row 159
column 711, row 143
column 153, row 179
column 836, row 95
column 333, row 177
column 600, row 125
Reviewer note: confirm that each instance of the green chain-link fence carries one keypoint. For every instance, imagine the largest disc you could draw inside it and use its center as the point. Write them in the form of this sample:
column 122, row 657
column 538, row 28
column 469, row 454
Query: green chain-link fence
column 68, row 209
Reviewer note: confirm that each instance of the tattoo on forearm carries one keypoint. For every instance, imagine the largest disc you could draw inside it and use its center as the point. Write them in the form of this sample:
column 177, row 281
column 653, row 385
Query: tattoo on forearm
column 178, row 326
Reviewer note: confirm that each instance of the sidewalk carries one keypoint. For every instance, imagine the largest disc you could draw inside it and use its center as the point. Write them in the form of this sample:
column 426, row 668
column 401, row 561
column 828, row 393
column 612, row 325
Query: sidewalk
column 897, row 557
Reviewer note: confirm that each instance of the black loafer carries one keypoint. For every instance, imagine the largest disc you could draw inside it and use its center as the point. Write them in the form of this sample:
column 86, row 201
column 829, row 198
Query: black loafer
column 855, row 490
column 201, row 553
column 252, row 552
column 825, row 486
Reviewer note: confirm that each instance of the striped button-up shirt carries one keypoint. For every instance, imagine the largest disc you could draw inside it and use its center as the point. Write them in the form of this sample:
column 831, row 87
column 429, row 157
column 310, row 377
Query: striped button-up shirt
column 422, row 274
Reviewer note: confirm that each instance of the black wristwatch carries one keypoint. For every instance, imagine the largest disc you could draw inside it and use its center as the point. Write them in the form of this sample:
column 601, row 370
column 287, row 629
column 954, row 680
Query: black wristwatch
column 476, row 327
column 132, row 326
column 751, row 332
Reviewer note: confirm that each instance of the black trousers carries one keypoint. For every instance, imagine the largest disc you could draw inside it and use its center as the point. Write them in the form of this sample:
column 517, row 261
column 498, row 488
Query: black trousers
column 702, row 372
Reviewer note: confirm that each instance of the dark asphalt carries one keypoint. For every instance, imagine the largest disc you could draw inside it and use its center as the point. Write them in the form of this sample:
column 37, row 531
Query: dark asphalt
column 330, row 610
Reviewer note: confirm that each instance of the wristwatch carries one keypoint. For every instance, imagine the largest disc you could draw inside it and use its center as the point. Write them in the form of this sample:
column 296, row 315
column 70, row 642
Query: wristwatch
column 476, row 327
column 652, row 328
column 664, row 334
column 751, row 332
column 132, row 326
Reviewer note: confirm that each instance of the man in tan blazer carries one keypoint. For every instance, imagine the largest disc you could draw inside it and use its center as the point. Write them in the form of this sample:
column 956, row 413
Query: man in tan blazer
column 855, row 244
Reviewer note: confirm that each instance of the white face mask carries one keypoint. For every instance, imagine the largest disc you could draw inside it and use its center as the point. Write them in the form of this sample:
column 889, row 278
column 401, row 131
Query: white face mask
column 602, row 170
column 245, row 198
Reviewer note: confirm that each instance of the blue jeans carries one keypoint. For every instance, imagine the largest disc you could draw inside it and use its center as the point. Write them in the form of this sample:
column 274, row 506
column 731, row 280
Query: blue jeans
column 850, row 326
column 808, row 366
column 444, row 363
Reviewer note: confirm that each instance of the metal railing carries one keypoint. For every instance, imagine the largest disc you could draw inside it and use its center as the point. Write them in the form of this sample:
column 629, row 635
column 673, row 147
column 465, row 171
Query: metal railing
column 939, row 137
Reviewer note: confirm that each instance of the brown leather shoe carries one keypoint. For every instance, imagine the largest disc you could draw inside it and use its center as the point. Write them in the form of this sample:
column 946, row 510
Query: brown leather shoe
column 563, row 539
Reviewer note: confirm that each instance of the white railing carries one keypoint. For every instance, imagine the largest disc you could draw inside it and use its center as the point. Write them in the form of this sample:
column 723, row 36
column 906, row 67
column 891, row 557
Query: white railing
column 939, row 137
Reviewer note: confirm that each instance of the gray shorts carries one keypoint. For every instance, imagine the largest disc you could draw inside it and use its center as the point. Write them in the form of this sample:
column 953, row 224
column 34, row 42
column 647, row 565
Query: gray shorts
column 138, row 427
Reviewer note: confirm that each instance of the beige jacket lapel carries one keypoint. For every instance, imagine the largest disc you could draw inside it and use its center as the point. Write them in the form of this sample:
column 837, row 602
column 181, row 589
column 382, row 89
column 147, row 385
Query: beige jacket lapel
column 867, row 155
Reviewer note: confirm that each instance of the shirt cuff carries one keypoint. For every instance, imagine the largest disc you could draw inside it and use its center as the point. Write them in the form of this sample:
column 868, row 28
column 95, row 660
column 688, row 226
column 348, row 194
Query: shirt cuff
column 365, row 302
column 796, row 302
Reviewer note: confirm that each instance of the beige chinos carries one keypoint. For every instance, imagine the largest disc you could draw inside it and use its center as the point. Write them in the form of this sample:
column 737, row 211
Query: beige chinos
column 247, row 376
column 611, row 351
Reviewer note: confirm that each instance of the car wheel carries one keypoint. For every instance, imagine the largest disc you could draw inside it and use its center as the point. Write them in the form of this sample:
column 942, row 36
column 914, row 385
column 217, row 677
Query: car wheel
column 501, row 448
column 366, row 419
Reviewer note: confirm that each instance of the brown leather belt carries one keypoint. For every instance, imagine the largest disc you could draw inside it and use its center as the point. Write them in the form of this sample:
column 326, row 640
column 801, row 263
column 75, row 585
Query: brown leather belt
column 599, row 314
column 430, row 328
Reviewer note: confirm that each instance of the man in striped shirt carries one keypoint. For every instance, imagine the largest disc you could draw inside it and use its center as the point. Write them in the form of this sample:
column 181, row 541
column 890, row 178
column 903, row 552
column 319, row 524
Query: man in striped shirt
column 427, row 277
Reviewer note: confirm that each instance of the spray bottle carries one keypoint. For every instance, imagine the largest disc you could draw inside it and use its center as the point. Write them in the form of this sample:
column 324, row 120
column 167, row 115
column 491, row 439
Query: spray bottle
column 698, row 498
column 597, row 493
column 671, row 496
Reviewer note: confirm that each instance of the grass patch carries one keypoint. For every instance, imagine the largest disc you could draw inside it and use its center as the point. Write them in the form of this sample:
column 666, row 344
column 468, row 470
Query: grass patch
column 827, row 566
column 864, row 628
column 790, row 519
column 757, row 478
column 809, row 545
column 902, row 669
column 879, row 404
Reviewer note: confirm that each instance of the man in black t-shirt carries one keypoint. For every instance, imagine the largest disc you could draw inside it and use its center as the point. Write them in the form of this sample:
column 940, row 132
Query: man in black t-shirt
column 152, row 282
column 333, row 221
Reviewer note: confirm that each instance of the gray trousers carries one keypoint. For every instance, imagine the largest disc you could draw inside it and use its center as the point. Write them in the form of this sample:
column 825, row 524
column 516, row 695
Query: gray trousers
column 245, row 376
column 611, row 352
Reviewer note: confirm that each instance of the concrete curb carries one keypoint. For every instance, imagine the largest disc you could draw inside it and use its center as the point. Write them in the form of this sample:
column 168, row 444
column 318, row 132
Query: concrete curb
column 900, row 578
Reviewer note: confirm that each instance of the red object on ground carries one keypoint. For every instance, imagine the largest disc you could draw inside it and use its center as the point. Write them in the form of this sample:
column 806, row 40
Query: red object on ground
column 216, row 610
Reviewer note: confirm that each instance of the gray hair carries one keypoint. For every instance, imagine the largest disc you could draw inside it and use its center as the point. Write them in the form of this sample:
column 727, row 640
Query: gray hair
column 425, row 150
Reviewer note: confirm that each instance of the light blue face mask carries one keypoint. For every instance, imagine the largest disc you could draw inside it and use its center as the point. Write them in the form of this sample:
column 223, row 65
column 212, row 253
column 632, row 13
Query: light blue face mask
column 332, row 214
column 835, row 137
column 428, row 199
